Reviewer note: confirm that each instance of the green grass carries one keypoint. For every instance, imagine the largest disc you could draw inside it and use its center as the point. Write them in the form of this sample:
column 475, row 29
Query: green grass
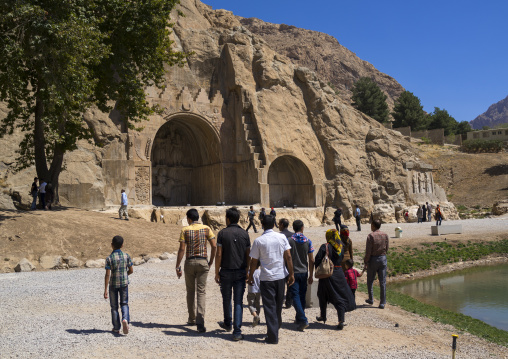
column 461, row 322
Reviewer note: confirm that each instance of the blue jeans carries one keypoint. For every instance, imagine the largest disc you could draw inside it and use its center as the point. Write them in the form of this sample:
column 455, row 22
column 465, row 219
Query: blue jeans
column 297, row 292
column 34, row 202
column 232, row 281
column 114, row 295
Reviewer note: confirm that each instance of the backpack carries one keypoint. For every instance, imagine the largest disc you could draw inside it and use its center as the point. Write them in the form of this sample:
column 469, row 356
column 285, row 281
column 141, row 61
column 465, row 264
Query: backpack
column 325, row 268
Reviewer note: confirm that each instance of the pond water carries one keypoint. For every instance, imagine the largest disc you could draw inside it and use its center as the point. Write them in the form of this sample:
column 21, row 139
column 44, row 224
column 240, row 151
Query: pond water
column 480, row 292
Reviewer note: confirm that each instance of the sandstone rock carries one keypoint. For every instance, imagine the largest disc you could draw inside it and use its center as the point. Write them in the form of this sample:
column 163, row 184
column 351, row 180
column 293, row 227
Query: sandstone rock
column 72, row 262
column 500, row 207
column 24, row 265
column 97, row 263
column 52, row 262
column 165, row 256
column 138, row 261
column 153, row 260
column 6, row 201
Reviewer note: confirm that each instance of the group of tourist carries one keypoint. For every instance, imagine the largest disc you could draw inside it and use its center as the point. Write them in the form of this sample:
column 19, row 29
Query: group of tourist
column 275, row 261
column 44, row 192
column 424, row 213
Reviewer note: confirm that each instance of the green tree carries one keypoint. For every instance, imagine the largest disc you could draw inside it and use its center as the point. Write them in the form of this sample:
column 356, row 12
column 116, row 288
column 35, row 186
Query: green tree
column 408, row 111
column 440, row 118
column 462, row 128
column 369, row 99
column 61, row 57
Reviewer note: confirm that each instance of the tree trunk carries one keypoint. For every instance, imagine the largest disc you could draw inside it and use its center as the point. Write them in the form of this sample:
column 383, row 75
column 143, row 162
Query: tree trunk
column 55, row 169
column 41, row 165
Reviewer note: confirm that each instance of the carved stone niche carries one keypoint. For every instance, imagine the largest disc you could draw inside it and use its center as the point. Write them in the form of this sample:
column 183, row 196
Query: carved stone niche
column 142, row 184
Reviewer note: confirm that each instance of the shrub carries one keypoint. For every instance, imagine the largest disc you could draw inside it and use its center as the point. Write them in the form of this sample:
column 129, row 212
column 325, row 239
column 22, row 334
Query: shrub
column 482, row 146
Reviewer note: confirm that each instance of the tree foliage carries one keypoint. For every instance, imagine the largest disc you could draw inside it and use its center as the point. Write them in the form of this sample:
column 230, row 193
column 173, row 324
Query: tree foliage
column 369, row 99
column 440, row 118
column 408, row 111
column 463, row 127
column 61, row 57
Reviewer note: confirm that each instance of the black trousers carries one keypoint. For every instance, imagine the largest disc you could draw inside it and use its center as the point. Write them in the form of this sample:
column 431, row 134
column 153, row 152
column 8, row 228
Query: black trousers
column 272, row 294
column 251, row 224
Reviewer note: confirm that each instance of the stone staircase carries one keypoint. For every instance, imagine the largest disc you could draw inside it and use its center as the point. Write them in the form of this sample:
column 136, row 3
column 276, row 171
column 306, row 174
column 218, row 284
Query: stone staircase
column 253, row 140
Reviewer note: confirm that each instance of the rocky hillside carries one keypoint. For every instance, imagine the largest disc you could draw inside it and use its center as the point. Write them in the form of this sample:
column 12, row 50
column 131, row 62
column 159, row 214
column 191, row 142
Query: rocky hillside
column 327, row 57
column 497, row 114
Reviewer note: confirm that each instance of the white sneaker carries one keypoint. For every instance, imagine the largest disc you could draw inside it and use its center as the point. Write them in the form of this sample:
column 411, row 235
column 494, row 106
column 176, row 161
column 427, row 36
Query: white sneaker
column 125, row 326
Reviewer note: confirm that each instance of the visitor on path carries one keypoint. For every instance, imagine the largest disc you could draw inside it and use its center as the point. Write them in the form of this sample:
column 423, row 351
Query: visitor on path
column 283, row 228
column 231, row 264
column 424, row 213
column 336, row 218
column 429, row 212
column 419, row 214
column 375, row 260
column 42, row 194
column 193, row 240
column 271, row 249
column 334, row 289
column 123, row 206
column 352, row 275
column 254, row 297
column 358, row 218
column 303, row 263
column 34, row 191
column 251, row 215
column 262, row 214
column 116, row 281
column 439, row 215
column 274, row 214
column 50, row 196
column 347, row 243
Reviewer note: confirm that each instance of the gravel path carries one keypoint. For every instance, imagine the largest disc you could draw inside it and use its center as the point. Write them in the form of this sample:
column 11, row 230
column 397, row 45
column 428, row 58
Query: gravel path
column 61, row 314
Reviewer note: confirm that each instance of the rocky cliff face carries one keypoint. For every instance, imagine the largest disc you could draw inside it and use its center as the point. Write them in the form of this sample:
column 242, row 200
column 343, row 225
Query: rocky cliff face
column 497, row 114
column 255, row 128
column 323, row 54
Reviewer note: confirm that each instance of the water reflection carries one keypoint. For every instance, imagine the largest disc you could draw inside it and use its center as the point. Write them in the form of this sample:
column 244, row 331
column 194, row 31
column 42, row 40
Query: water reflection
column 478, row 292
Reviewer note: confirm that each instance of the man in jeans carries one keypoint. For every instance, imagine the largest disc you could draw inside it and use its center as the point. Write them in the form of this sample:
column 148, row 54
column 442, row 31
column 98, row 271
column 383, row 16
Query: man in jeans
column 251, row 215
column 193, row 240
column 375, row 261
column 303, row 259
column 283, row 228
column 231, row 263
column 271, row 249
column 358, row 218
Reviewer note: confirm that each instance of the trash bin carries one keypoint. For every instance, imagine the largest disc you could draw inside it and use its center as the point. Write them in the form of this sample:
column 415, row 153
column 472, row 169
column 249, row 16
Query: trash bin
column 398, row 232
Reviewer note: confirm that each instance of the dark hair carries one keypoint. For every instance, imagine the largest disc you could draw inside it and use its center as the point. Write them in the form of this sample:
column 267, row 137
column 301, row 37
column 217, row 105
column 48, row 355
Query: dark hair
column 122, row 191
column 349, row 263
column 233, row 214
column 284, row 223
column 117, row 242
column 376, row 223
column 268, row 221
column 297, row 225
column 193, row 214
column 35, row 178
column 251, row 207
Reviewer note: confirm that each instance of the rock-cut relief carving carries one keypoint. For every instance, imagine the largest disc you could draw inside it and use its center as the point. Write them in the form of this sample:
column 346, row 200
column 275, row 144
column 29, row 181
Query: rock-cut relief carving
column 422, row 182
column 143, row 185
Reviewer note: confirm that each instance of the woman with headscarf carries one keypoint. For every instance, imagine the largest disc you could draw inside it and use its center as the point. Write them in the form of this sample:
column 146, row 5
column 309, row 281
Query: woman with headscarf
column 347, row 244
column 334, row 289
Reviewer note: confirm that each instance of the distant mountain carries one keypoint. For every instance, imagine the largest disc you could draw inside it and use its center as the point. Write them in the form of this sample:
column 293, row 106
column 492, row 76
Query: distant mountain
column 323, row 54
column 497, row 114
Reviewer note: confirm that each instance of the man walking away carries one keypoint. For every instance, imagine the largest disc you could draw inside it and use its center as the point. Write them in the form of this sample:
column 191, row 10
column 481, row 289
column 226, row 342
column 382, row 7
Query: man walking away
column 358, row 217
column 231, row 264
column 283, row 228
column 336, row 218
column 251, row 215
column 193, row 243
column 429, row 212
column 123, row 206
column 375, row 260
column 271, row 249
column 303, row 259
column 34, row 191
column 274, row 214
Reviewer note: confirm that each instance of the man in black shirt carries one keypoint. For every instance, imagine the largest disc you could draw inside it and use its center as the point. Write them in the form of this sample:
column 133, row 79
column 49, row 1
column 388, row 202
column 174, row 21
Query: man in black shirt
column 33, row 191
column 231, row 265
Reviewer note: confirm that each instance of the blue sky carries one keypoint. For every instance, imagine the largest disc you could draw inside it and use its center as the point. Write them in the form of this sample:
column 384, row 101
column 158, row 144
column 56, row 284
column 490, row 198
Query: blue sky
column 451, row 54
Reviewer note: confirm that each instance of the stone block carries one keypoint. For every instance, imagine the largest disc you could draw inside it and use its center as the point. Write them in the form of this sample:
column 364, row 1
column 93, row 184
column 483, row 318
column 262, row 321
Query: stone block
column 24, row 265
column 138, row 261
column 52, row 262
column 72, row 262
column 446, row 229
column 97, row 263
column 153, row 260
column 500, row 208
column 165, row 256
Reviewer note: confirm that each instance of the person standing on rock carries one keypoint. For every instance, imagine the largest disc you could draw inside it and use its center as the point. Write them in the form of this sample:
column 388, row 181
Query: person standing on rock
column 193, row 240
column 251, row 215
column 283, row 228
column 231, row 264
column 34, row 192
column 358, row 218
column 336, row 218
column 375, row 260
column 424, row 213
column 271, row 249
column 123, row 206
column 429, row 212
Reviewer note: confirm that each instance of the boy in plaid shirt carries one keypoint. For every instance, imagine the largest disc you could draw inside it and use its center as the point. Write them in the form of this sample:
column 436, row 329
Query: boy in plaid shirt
column 118, row 268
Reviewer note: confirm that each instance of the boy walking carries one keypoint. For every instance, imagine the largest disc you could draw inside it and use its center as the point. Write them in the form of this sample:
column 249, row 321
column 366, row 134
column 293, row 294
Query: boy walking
column 254, row 297
column 118, row 268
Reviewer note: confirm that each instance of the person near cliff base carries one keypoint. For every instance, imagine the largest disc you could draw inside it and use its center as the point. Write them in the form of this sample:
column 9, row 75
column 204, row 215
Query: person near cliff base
column 336, row 218
column 251, row 215
column 272, row 250
column 439, row 215
column 347, row 243
column 424, row 212
column 274, row 214
column 419, row 214
column 376, row 249
column 34, row 191
column 193, row 241
column 123, row 206
column 429, row 212
column 231, row 265
column 358, row 218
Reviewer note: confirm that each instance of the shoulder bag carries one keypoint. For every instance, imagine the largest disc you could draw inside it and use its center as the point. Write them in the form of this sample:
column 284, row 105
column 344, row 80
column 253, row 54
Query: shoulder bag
column 325, row 268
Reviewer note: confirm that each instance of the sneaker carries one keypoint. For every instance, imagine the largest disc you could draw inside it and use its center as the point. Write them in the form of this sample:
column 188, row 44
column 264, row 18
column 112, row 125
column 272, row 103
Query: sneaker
column 126, row 219
column 255, row 321
column 238, row 337
column 201, row 329
column 269, row 341
column 227, row 328
column 368, row 301
column 115, row 331
column 125, row 326
column 340, row 326
column 303, row 326
column 381, row 306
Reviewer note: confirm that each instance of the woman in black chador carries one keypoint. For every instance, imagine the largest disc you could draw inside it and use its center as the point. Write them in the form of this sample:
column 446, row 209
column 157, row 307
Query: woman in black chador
column 334, row 289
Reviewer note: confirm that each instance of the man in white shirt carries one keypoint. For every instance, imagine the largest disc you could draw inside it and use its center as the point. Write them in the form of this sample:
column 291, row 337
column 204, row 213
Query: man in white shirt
column 123, row 206
column 42, row 194
column 271, row 249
